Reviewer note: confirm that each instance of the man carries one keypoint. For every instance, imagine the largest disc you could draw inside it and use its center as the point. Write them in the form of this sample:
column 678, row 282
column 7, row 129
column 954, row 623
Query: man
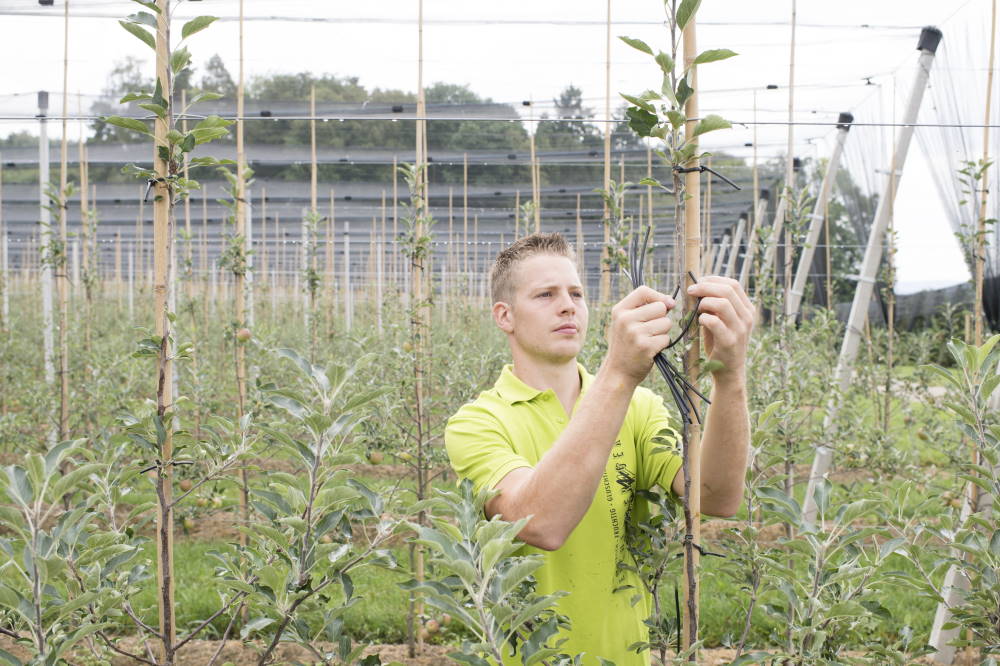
column 570, row 450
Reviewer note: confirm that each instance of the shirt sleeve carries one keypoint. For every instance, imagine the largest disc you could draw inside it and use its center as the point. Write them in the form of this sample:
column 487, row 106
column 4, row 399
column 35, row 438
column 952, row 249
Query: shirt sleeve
column 479, row 447
column 658, row 443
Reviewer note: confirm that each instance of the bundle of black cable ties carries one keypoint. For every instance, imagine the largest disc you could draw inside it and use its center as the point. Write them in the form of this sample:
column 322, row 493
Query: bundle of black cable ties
column 680, row 388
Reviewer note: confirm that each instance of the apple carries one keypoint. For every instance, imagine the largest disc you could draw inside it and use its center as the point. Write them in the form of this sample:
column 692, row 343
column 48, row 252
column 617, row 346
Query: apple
column 185, row 484
column 433, row 626
column 243, row 334
column 375, row 457
column 187, row 524
column 445, row 619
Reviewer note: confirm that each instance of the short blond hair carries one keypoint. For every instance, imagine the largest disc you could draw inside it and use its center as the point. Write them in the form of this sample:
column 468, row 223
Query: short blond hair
column 502, row 274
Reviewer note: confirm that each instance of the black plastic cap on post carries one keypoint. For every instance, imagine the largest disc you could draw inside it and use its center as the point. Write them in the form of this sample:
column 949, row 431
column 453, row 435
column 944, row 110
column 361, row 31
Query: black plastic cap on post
column 930, row 37
column 46, row 3
column 43, row 101
column 765, row 194
column 844, row 120
column 796, row 163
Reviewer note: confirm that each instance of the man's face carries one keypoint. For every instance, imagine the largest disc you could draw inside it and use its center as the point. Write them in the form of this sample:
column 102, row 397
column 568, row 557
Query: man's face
column 548, row 316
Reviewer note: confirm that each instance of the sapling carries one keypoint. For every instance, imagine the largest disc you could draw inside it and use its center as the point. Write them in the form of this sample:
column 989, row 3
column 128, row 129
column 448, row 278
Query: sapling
column 669, row 114
column 489, row 589
column 307, row 549
column 167, row 183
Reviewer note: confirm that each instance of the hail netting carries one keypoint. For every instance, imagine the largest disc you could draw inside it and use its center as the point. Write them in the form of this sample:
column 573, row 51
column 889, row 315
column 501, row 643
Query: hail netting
column 958, row 96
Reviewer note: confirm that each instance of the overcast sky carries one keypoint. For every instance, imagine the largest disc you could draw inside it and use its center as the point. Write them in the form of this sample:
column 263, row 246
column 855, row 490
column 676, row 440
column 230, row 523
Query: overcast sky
column 517, row 50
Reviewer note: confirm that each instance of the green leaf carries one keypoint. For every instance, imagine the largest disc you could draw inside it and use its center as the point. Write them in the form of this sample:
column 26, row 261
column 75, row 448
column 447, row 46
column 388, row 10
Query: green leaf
column 641, row 103
column 710, row 123
column 179, row 59
column 133, row 96
column 148, row 4
column 665, row 62
column 676, row 118
column 637, row 44
column 712, row 55
column 641, row 121
column 143, row 17
column 128, row 123
column 197, row 24
column 156, row 109
column 684, row 92
column 686, row 12
column 140, row 33
column 255, row 624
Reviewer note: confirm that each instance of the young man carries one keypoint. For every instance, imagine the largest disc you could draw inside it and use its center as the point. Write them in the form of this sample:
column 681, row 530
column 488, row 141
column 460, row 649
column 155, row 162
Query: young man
column 570, row 450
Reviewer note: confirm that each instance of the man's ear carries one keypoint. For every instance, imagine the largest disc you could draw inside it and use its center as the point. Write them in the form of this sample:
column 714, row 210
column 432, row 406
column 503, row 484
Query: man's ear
column 503, row 316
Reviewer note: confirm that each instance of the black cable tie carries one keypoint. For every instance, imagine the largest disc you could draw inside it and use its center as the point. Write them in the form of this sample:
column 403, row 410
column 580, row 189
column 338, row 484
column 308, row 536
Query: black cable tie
column 690, row 538
column 703, row 169
column 149, row 186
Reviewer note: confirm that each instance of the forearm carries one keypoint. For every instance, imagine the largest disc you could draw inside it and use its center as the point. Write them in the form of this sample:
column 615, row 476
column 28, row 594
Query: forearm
column 562, row 485
column 725, row 446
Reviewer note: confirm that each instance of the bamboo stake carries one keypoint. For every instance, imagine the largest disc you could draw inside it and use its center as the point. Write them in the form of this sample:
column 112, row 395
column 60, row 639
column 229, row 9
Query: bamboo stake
column 605, row 288
column 692, row 471
column 239, row 295
column 421, row 328
column 984, row 188
column 85, row 233
column 580, row 250
column 4, row 285
column 754, row 230
column 62, row 278
column 189, row 249
column 517, row 213
column 333, row 249
column 45, row 258
column 465, row 212
column 162, row 237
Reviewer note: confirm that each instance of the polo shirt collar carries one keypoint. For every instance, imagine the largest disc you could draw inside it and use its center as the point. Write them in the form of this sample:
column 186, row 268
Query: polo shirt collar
column 513, row 390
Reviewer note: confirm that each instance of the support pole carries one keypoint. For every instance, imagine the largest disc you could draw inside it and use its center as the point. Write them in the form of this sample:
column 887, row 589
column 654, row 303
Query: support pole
column 929, row 40
column 692, row 259
column 162, row 240
column 794, row 302
column 736, row 241
column 984, row 193
column 603, row 267
column 48, row 278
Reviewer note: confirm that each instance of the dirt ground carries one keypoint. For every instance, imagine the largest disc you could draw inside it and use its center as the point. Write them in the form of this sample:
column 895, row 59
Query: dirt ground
column 235, row 653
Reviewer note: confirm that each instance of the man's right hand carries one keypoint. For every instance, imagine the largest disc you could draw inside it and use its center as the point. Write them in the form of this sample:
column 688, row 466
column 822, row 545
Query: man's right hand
column 639, row 330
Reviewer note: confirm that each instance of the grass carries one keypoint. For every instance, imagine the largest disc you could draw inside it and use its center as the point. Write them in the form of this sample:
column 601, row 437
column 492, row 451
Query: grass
column 380, row 617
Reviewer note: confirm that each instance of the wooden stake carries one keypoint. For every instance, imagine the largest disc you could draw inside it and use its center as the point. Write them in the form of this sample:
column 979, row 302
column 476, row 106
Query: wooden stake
column 580, row 249
column 62, row 277
column 692, row 250
column 984, row 193
column 162, row 238
column 605, row 288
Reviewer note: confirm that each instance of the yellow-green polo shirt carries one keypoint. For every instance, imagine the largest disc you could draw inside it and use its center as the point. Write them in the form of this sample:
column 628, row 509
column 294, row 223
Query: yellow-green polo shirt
column 512, row 425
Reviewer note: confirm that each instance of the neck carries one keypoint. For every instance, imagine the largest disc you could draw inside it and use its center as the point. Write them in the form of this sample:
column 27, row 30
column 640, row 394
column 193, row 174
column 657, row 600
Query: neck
column 563, row 377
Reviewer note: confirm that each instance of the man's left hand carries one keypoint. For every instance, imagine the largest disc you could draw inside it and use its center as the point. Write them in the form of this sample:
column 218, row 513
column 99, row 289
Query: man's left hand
column 726, row 316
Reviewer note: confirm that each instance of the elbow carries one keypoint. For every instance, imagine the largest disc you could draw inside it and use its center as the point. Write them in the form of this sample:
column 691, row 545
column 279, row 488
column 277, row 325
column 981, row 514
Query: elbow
column 542, row 537
column 725, row 509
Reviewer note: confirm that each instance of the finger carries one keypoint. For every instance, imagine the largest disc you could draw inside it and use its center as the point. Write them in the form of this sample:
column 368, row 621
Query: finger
column 724, row 288
column 735, row 285
column 643, row 295
column 722, row 308
column 649, row 312
column 722, row 335
column 656, row 327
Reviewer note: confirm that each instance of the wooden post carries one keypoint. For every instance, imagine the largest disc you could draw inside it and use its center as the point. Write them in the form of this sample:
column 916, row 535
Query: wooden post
column 692, row 250
column 980, row 244
column 62, row 277
column 239, row 295
column 162, row 239
column 580, row 249
column 605, row 269
column 47, row 272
